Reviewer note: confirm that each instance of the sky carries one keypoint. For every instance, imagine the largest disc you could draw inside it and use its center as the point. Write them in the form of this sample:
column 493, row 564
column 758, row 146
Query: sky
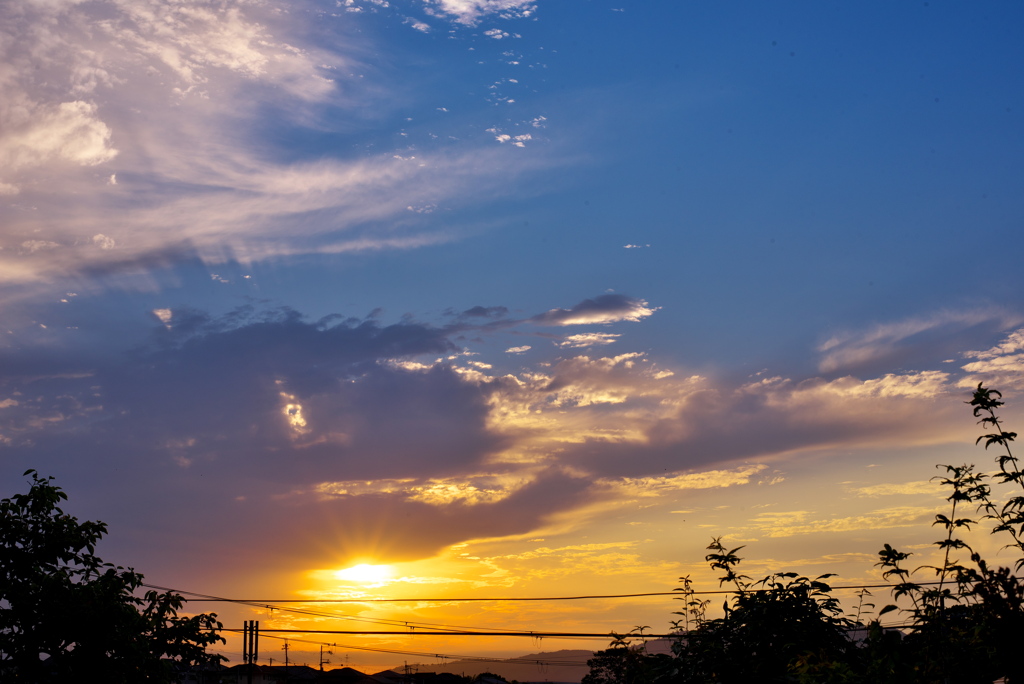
column 513, row 297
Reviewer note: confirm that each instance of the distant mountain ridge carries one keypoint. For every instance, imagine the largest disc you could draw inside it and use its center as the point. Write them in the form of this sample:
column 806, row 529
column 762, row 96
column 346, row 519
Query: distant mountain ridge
column 562, row 666
column 567, row 665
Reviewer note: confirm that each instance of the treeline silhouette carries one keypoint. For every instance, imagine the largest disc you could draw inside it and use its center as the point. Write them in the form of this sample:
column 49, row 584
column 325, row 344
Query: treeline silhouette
column 964, row 627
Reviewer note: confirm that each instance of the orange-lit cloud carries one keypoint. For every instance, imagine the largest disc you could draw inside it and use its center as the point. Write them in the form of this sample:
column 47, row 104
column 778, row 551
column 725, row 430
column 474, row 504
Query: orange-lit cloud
column 788, row 524
column 898, row 489
column 393, row 442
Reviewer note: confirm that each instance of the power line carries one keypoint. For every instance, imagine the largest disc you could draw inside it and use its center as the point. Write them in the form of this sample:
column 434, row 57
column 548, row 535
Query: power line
column 535, row 635
column 421, row 654
column 677, row 593
column 452, row 600
column 468, row 658
column 409, row 624
column 270, row 634
column 435, row 629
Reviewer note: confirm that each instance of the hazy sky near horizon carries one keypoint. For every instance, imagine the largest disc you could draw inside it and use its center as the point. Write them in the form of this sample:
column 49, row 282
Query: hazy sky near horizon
column 517, row 296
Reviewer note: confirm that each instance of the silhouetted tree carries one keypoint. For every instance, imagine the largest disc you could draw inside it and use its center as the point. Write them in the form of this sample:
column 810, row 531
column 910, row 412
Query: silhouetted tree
column 771, row 629
column 624, row 663
column 65, row 615
column 963, row 628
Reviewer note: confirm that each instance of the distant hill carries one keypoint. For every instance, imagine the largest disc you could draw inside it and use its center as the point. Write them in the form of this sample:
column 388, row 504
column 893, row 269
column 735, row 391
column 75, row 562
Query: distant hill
column 549, row 666
column 568, row 666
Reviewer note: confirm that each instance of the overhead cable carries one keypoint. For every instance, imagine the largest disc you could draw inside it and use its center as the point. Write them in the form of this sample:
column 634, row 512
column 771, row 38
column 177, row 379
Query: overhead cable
column 676, row 593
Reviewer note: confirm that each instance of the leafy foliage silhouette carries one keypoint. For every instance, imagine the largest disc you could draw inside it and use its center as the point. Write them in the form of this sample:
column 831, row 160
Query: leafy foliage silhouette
column 624, row 663
column 964, row 628
column 66, row 615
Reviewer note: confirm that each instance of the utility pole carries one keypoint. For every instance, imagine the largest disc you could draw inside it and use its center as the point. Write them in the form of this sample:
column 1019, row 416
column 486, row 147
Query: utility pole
column 285, row 649
column 250, row 646
column 322, row 661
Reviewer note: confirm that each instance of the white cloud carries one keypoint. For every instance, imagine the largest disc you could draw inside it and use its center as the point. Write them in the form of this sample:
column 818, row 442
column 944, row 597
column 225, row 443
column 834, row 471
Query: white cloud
column 470, row 11
column 518, row 350
column 36, row 245
column 32, row 134
column 1002, row 364
column 925, row 384
column 1013, row 344
column 103, row 242
column 192, row 39
column 588, row 340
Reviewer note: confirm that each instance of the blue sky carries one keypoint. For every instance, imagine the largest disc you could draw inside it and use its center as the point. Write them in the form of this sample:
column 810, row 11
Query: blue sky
column 391, row 280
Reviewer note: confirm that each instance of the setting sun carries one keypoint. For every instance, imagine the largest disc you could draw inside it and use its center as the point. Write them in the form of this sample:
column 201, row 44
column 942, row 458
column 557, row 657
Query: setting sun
column 365, row 573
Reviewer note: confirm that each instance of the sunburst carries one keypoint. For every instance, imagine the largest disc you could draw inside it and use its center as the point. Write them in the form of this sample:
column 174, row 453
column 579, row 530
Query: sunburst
column 365, row 573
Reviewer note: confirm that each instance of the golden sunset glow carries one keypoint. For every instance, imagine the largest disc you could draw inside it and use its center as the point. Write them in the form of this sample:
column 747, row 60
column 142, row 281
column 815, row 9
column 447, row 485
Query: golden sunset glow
column 366, row 573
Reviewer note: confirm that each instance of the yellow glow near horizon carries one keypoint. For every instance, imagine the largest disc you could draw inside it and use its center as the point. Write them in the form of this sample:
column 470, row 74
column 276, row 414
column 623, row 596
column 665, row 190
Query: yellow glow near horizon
column 365, row 572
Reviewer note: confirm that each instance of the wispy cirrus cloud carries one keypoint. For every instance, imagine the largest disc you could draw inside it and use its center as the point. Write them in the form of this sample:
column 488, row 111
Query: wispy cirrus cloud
column 143, row 122
column 788, row 524
column 649, row 487
column 248, row 212
column 898, row 489
column 75, row 69
column 919, row 339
